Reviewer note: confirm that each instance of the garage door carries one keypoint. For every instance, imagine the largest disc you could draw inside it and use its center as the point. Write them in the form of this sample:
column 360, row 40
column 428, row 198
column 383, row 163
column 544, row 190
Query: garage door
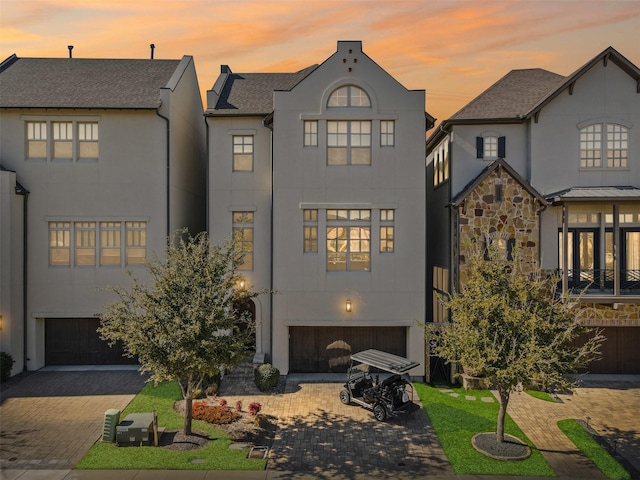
column 75, row 341
column 327, row 349
column 620, row 352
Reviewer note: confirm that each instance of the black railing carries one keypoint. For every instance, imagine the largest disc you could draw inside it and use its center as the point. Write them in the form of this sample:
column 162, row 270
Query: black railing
column 599, row 281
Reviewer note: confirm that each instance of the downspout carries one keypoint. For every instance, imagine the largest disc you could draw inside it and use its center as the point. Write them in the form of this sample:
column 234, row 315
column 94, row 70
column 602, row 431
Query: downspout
column 25, row 273
column 206, row 128
column 168, row 143
column 264, row 124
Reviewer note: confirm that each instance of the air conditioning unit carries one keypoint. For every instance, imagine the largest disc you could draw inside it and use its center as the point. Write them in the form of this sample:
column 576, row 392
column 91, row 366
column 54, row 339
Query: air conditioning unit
column 135, row 429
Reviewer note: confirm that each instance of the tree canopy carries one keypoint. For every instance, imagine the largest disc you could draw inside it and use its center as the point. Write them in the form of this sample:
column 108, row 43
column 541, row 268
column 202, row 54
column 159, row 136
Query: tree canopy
column 510, row 324
column 184, row 323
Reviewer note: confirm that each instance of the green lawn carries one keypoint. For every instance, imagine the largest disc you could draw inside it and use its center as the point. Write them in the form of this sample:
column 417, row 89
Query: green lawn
column 216, row 456
column 591, row 449
column 540, row 395
column 456, row 420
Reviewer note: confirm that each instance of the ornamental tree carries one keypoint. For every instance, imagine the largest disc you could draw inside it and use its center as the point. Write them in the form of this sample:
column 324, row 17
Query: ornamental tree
column 184, row 324
column 511, row 324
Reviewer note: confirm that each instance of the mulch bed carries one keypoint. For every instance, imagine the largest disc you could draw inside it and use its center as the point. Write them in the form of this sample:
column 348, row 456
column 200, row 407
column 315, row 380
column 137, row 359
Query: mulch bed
column 511, row 449
column 243, row 430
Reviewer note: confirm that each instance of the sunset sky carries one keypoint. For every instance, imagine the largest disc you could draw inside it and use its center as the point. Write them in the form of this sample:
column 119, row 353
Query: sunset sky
column 453, row 49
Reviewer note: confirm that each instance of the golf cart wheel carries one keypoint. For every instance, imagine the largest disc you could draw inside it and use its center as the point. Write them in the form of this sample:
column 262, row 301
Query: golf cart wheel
column 345, row 397
column 380, row 412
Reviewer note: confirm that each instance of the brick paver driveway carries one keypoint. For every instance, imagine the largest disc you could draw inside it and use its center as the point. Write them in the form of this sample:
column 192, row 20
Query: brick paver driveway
column 319, row 435
column 49, row 420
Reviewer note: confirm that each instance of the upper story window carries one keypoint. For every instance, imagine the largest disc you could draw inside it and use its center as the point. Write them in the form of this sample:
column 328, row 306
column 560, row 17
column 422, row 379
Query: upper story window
column 310, row 217
column 387, row 230
column 88, row 140
column 349, row 96
column 242, row 153
column 68, row 140
column 441, row 163
column 387, row 133
column 243, row 238
column 604, row 145
column 490, row 147
column 81, row 244
column 349, row 142
column 348, row 240
column 310, row 133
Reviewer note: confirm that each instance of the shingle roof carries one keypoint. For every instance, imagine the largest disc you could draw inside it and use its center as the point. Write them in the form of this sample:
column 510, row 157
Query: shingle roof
column 513, row 96
column 252, row 93
column 83, row 83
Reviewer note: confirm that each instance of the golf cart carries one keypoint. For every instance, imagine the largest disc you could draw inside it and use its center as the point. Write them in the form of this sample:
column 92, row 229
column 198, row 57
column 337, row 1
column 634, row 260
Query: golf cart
column 391, row 397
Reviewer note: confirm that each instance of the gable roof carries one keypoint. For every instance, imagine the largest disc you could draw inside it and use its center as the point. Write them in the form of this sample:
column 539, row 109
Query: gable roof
column 252, row 93
column 493, row 166
column 521, row 94
column 512, row 96
column 83, row 83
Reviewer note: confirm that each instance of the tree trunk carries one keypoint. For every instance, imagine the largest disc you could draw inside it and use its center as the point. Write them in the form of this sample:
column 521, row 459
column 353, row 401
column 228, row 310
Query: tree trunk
column 188, row 414
column 504, row 401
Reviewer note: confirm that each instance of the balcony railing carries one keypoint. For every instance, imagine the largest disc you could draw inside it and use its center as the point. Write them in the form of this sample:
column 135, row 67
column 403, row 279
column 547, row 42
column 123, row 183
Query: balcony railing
column 600, row 281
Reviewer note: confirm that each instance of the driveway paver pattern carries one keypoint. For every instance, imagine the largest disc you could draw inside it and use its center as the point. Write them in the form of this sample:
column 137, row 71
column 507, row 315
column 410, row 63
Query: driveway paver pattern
column 611, row 407
column 49, row 420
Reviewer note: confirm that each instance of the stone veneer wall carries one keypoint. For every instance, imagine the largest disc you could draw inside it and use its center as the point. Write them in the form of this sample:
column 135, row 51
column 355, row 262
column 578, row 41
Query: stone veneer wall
column 605, row 315
column 482, row 217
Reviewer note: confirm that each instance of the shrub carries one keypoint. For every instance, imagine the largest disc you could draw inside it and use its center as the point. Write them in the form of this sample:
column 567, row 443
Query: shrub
column 222, row 402
column 239, row 406
column 266, row 377
column 216, row 414
column 6, row 364
column 254, row 408
column 261, row 421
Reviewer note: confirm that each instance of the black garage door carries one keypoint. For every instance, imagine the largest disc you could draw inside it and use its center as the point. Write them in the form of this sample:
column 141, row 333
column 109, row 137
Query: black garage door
column 75, row 341
column 327, row 349
column 620, row 352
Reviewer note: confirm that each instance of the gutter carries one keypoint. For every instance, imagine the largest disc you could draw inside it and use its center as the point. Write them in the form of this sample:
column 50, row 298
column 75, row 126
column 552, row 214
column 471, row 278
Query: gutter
column 20, row 190
column 270, row 127
column 168, row 145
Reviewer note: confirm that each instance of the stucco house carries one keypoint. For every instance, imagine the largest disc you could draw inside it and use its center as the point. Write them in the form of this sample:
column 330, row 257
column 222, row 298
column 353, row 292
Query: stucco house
column 101, row 160
column 549, row 163
column 319, row 175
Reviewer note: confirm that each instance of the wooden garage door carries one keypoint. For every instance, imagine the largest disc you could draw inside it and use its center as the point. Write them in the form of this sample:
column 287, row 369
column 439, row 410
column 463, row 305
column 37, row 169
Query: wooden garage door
column 75, row 341
column 620, row 353
column 327, row 349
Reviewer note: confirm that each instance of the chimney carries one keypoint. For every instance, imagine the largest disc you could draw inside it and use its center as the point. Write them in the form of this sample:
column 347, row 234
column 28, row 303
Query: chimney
column 70, row 47
column 152, row 48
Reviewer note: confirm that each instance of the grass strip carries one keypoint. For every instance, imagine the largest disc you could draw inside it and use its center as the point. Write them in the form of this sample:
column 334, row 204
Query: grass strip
column 592, row 449
column 540, row 395
column 215, row 456
column 456, row 420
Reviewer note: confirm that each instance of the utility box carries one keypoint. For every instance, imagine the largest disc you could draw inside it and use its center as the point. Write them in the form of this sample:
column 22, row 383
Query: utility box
column 135, row 429
column 111, row 419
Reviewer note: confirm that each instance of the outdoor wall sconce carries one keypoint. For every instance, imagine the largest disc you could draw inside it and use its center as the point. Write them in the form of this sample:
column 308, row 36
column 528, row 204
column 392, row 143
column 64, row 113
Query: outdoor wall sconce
column 347, row 306
column 242, row 283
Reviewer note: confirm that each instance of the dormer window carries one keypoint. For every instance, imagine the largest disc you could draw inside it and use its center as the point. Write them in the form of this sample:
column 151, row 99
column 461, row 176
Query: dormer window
column 349, row 96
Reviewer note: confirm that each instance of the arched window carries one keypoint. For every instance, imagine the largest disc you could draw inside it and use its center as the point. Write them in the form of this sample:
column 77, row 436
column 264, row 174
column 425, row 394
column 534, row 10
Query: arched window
column 604, row 145
column 349, row 96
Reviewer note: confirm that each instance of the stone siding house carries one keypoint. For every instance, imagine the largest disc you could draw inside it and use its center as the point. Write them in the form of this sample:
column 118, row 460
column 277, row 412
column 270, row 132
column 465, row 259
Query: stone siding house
column 549, row 164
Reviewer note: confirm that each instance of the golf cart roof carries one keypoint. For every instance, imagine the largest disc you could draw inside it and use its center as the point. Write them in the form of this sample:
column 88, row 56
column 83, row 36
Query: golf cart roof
column 384, row 361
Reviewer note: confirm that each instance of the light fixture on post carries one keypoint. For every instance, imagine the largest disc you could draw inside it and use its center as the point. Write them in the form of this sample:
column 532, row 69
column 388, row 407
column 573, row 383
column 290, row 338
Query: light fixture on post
column 347, row 306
